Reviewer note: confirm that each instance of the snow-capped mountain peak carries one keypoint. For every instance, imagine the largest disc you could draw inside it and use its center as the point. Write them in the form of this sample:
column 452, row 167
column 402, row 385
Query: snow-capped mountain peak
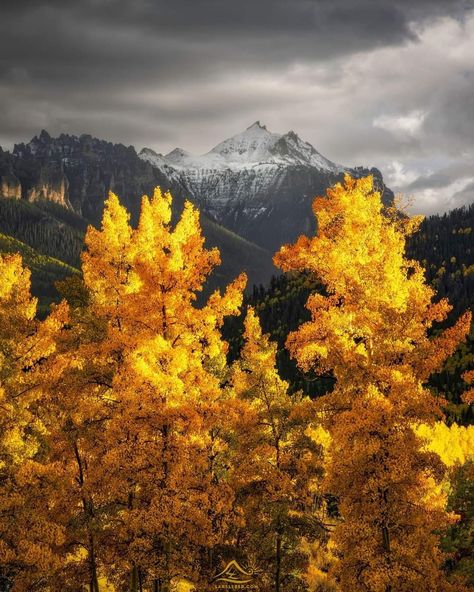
column 292, row 148
column 149, row 152
column 256, row 146
column 155, row 158
column 250, row 147
column 257, row 183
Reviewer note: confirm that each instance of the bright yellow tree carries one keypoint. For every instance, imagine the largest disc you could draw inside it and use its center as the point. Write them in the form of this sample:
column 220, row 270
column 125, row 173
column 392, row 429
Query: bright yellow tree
column 370, row 330
column 147, row 406
column 29, row 535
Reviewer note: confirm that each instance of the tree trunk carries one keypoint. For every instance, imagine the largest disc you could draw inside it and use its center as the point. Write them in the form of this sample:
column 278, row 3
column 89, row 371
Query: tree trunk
column 386, row 536
column 278, row 563
column 134, row 579
column 88, row 506
column 93, row 565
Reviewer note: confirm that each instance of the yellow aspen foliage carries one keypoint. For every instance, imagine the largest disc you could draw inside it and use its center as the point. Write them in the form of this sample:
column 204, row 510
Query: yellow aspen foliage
column 322, row 560
column 28, row 535
column 454, row 444
column 370, row 330
column 277, row 465
column 144, row 429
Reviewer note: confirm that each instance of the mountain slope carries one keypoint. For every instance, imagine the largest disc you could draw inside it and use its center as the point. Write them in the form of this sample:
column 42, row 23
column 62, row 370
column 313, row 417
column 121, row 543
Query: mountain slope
column 52, row 188
column 45, row 271
column 257, row 183
column 45, row 226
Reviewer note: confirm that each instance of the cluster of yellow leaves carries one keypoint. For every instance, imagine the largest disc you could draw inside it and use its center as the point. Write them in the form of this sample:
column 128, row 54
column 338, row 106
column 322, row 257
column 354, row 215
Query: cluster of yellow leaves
column 322, row 559
column 26, row 537
column 453, row 444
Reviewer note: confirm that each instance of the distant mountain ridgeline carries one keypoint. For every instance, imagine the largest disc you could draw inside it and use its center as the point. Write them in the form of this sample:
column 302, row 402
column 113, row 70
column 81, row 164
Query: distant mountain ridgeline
column 52, row 188
column 77, row 173
column 258, row 184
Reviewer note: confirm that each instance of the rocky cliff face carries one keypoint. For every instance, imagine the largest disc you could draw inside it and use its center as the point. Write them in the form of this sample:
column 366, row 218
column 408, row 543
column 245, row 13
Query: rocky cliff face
column 257, row 183
column 77, row 173
column 10, row 186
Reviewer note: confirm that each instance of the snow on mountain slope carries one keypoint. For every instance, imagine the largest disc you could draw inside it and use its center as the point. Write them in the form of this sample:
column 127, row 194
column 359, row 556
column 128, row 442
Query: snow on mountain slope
column 257, row 183
column 253, row 147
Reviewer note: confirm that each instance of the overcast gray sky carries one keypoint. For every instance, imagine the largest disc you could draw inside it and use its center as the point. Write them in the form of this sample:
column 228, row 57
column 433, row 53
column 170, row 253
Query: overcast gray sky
column 370, row 82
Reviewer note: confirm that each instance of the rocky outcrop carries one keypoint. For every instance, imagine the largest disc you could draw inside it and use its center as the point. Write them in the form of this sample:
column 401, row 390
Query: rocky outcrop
column 10, row 186
column 78, row 173
column 52, row 185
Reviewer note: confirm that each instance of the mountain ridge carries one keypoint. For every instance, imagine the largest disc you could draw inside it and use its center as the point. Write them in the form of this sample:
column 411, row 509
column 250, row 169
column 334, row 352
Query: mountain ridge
column 255, row 146
column 75, row 174
column 261, row 189
column 258, row 183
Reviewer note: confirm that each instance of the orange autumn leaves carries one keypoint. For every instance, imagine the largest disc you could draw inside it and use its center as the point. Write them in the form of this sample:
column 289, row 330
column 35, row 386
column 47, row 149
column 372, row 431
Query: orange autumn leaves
column 131, row 450
column 142, row 433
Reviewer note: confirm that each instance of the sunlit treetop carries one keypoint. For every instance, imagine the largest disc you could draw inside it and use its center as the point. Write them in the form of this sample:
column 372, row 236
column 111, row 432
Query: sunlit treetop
column 151, row 275
column 378, row 307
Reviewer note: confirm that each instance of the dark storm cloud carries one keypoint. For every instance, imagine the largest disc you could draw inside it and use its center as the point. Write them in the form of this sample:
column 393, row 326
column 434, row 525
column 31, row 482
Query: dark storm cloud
column 190, row 72
column 433, row 181
column 115, row 41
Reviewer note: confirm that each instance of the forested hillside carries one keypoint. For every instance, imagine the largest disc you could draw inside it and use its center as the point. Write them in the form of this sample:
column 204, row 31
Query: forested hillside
column 445, row 247
column 55, row 231
column 45, row 270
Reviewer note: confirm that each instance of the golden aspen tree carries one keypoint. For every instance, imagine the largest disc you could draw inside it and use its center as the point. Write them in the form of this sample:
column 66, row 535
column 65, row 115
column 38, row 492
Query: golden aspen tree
column 75, row 410
column 158, row 391
column 371, row 331
column 79, row 404
column 29, row 534
column 278, row 466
